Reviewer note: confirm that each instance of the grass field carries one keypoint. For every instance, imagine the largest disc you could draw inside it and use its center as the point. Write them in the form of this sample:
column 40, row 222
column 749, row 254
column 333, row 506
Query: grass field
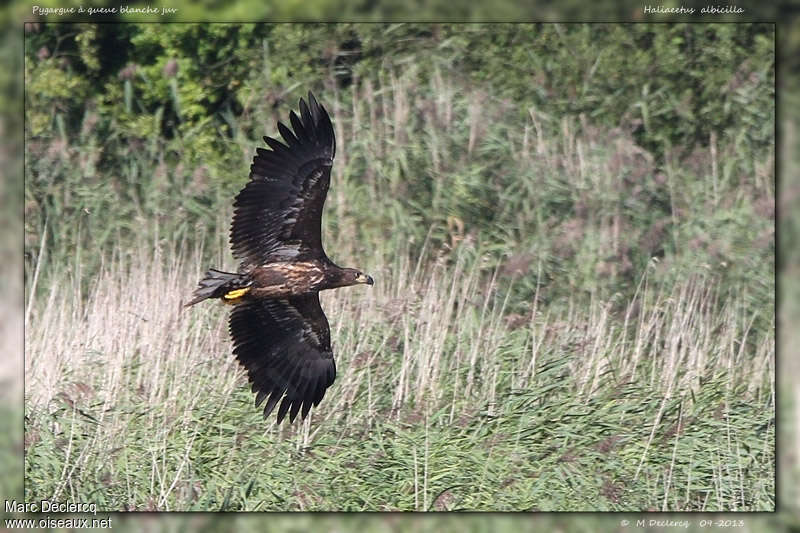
column 561, row 320
column 443, row 400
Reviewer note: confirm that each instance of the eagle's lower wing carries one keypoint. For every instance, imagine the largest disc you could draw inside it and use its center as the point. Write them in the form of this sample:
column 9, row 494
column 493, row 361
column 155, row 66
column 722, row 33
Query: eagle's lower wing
column 285, row 346
column 278, row 214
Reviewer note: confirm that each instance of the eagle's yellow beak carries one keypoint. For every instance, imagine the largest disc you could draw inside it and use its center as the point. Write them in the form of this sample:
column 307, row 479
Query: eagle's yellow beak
column 364, row 279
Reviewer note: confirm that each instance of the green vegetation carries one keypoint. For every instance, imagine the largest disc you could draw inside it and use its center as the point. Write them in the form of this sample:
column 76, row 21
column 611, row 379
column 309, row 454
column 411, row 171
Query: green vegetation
column 571, row 229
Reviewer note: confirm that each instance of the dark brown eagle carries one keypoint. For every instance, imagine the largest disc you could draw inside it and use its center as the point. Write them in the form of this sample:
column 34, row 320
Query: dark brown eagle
column 279, row 332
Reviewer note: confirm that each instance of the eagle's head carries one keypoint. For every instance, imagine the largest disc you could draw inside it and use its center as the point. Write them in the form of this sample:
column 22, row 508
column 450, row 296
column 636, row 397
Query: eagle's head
column 353, row 276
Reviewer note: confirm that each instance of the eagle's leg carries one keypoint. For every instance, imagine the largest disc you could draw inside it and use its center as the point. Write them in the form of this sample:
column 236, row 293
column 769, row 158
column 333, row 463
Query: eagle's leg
column 233, row 297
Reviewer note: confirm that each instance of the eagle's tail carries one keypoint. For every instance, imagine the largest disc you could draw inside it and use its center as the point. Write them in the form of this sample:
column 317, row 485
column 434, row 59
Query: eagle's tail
column 218, row 284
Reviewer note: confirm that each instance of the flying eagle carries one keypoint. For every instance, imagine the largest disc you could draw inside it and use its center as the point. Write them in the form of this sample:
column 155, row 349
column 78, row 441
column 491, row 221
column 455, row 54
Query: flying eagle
column 279, row 331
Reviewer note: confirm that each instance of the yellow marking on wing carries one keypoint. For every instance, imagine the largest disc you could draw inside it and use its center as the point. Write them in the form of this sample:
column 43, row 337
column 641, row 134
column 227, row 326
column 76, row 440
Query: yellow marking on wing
column 235, row 294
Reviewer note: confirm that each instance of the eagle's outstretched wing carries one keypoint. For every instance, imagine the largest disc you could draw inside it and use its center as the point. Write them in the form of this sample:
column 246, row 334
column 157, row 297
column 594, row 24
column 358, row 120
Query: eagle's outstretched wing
column 285, row 345
column 278, row 214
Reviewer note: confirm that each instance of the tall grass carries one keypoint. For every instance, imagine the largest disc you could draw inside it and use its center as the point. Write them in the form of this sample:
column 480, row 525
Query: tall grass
column 443, row 400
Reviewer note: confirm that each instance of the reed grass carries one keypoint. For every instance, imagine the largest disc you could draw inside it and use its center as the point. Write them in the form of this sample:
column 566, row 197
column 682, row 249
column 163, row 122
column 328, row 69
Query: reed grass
column 443, row 400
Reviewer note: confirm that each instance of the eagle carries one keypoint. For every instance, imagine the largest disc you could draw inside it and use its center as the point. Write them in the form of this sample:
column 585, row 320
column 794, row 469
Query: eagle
column 279, row 331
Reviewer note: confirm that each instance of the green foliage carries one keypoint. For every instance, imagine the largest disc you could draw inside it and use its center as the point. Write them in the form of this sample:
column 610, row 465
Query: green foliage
column 442, row 120
column 551, row 455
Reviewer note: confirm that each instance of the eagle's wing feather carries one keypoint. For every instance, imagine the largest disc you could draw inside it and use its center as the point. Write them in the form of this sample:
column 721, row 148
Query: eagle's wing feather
column 278, row 214
column 285, row 346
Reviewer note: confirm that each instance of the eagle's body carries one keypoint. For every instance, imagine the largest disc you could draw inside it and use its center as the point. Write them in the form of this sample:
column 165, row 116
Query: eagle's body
column 282, row 279
column 280, row 334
